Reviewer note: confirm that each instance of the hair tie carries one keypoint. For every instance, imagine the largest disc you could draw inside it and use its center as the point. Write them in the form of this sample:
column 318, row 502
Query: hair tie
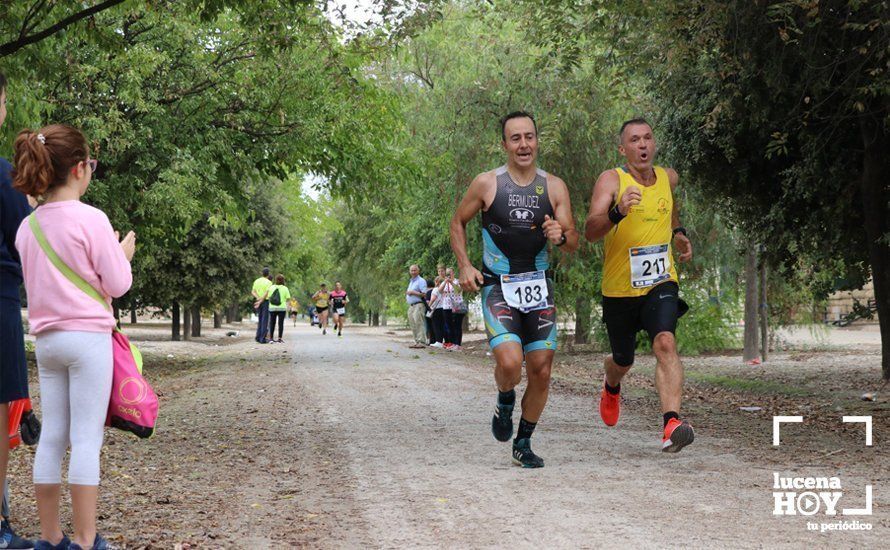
column 41, row 138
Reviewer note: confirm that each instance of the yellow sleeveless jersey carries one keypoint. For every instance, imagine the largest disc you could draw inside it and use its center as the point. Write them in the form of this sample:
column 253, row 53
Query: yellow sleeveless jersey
column 638, row 253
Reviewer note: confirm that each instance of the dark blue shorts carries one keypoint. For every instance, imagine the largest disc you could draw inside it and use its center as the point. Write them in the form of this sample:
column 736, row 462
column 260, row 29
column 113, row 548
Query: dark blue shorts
column 13, row 366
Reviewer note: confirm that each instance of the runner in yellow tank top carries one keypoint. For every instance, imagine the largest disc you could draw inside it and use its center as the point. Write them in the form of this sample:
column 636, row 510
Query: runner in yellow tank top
column 633, row 209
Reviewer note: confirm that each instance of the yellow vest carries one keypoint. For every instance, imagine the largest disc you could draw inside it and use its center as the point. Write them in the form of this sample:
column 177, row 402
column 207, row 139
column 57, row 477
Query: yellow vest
column 638, row 253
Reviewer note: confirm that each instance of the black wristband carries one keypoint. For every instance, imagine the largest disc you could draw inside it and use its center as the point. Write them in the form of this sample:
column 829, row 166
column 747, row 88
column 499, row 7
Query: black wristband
column 615, row 215
column 680, row 229
column 563, row 241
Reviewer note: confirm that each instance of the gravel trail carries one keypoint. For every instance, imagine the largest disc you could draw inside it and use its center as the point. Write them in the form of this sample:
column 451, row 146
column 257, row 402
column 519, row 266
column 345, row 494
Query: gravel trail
column 396, row 451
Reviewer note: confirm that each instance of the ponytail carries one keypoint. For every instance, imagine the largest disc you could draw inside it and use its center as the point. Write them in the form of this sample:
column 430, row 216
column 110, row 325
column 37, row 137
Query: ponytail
column 43, row 158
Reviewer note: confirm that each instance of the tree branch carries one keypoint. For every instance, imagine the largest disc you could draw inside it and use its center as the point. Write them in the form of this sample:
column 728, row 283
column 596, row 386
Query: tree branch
column 10, row 48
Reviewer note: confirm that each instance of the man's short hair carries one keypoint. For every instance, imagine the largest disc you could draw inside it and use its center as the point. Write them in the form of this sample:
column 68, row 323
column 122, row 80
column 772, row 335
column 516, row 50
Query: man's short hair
column 515, row 114
column 266, row 272
column 638, row 120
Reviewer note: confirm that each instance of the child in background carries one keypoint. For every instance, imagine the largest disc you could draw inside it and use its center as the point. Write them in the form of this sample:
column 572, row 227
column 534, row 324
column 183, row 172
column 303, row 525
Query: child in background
column 74, row 351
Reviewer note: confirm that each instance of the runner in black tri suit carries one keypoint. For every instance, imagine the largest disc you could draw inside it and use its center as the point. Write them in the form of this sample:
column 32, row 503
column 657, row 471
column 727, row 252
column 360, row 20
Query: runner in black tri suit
column 522, row 209
column 339, row 299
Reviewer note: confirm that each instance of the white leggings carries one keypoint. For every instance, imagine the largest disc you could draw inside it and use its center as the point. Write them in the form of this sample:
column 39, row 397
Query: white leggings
column 75, row 370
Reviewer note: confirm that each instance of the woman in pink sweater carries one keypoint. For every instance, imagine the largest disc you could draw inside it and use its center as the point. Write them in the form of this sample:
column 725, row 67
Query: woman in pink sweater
column 74, row 353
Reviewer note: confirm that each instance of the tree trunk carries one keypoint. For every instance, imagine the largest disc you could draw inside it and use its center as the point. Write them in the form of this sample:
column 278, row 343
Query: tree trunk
column 376, row 319
column 238, row 315
column 186, row 323
column 876, row 166
column 217, row 319
column 764, row 313
column 750, row 351
column 133, row 316
column 230, row 314
column 196, row 321
column 583, row 310
column 116, row 311
column 175, row 332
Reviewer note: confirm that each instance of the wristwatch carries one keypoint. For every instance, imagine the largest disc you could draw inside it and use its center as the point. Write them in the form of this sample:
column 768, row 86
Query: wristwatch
column 562, row 241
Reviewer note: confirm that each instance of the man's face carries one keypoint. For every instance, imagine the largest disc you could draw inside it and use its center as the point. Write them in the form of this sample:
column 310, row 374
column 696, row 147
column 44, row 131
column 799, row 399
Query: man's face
column 521, row 142
column 2, row 106
column 414, row 271
column 638, row 145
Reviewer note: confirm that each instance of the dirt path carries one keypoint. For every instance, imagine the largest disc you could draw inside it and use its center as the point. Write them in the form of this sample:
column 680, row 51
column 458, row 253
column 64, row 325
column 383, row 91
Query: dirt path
column 407, row 460
column 362, row 442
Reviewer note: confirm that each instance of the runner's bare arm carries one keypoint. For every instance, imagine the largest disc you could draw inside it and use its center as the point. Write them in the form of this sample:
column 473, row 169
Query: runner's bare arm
column 681, row 242
column 601, row 201
column 469, row 207
column 564, row 224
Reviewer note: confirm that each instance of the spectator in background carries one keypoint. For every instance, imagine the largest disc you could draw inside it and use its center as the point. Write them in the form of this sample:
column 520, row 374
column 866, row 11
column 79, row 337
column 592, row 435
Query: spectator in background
column 428, row 312
column 414, row 296
column 260, row 294
column 437, row 315
column 454, row 310
column 13, row 368
column 278, row 298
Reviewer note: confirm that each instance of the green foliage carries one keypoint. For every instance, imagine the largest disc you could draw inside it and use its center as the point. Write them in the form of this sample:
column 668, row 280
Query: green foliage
column 196, row 110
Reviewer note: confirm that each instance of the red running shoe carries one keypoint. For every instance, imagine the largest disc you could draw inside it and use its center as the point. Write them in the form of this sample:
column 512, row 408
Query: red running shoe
column 610, row 407
column 677, row 434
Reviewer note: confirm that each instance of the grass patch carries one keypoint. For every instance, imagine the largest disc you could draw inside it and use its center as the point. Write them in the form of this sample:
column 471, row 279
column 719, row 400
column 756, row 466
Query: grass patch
column 750, row 385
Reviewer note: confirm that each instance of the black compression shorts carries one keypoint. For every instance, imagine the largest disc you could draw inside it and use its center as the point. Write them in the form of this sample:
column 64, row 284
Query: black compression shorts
column 655, row 312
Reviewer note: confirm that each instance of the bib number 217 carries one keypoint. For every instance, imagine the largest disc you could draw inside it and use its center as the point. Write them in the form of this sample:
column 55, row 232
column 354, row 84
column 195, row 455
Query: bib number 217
column 649, row 265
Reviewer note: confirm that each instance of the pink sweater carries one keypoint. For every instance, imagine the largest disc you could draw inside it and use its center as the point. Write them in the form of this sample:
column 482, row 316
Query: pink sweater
column 83, row 238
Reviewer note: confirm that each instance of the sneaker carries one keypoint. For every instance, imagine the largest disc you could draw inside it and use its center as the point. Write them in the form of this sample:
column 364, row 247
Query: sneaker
column 8, row 538
column 64, row 544
column 447, row 346
column 454, row 347
column 502, row 422
column 99, row 543
column 677, row 435
column 610, row 407
column 280, row 341
column 324, row 331
column 339, row 334
column 437, row 345
column 524, row 456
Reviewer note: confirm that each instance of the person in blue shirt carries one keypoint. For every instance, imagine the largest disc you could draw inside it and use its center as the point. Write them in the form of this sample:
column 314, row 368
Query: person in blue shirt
column 416, row 308
column 14, row 208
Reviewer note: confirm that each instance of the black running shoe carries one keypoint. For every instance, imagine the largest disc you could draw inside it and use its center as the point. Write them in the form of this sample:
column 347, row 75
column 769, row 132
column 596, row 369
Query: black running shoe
column 502, row 422
column 524, row 456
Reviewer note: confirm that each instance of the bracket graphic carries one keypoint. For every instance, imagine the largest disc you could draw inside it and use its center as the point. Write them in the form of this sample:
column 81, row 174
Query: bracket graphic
column 777, row 421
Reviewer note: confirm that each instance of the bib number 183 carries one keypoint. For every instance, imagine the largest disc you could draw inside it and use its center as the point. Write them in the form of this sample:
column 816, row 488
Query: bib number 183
column 525, row 291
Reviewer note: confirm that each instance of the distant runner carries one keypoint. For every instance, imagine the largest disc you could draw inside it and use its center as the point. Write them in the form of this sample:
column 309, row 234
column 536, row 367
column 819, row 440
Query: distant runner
column 523, row 209
column 322, row 305
column 339, row 299
column 633, row 208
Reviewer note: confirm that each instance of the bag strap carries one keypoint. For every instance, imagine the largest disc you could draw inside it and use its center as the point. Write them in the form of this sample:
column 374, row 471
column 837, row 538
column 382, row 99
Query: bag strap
column 63, row 268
